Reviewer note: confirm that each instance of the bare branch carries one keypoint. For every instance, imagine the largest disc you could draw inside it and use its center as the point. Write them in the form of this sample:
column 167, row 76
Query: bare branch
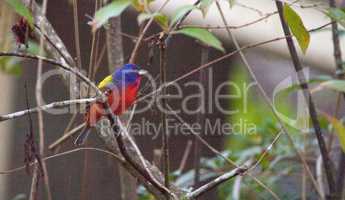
column 76, row 33
column 18, row 169
column 66, row 136
column 185, row 156
column 203, row 78
column 57, row 104
column 214, row 183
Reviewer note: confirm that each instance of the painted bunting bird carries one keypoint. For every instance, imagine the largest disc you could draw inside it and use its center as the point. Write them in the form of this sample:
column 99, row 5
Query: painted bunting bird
column 121, row 89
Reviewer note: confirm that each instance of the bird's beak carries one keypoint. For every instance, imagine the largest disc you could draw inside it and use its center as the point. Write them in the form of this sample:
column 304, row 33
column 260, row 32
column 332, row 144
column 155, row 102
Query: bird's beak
column 142, row 72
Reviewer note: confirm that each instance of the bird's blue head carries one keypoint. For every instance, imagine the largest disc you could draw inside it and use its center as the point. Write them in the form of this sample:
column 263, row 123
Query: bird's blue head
column 128, row 74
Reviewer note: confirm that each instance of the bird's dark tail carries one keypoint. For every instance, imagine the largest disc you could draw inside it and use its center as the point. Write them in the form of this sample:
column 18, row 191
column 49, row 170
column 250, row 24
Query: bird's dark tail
column 80, row 140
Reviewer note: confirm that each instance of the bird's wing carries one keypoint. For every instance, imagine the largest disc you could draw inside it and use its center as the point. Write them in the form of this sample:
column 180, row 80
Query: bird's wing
column 105, row 82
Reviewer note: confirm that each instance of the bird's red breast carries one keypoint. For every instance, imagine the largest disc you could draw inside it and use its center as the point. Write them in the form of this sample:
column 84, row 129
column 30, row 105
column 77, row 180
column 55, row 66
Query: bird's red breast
column 119, row 100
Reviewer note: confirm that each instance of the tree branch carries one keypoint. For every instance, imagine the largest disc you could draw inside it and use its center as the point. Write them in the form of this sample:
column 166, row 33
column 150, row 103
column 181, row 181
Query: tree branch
column 214, row 183
column 58, row 104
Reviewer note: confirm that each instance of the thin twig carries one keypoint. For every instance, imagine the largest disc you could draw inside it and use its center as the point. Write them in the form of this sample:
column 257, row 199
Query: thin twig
column 266, row 16
column 203, row 77
column 76, row 32
column 98, row 62
column 39, row 101
column 66, row 136
column 92, row 54
column 185, row 156
column 65, row 132
column 31, row 154
column 58, row 104
column 18, row 169
column 214, row 183
column 85, row 168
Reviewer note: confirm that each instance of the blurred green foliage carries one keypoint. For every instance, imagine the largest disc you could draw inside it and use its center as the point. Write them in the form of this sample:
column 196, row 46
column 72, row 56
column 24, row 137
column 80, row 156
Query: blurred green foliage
column 13, row 65
column 244, row 144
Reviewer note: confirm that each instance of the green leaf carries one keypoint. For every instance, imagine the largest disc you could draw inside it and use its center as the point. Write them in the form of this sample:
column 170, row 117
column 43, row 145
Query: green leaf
column 339, row 129
column 297, row 86
column 11, row 65
column 160, row 19
column 338, row 15
column 180, row 12
column 232, row 3
column 204, row 6
column 34, row 48
column 297, row 27
column 138, row 5
column 113, row 9
column 15, row 69
column 143, row 17
column 141, row 5
column 22, row 10
column 204, row 36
